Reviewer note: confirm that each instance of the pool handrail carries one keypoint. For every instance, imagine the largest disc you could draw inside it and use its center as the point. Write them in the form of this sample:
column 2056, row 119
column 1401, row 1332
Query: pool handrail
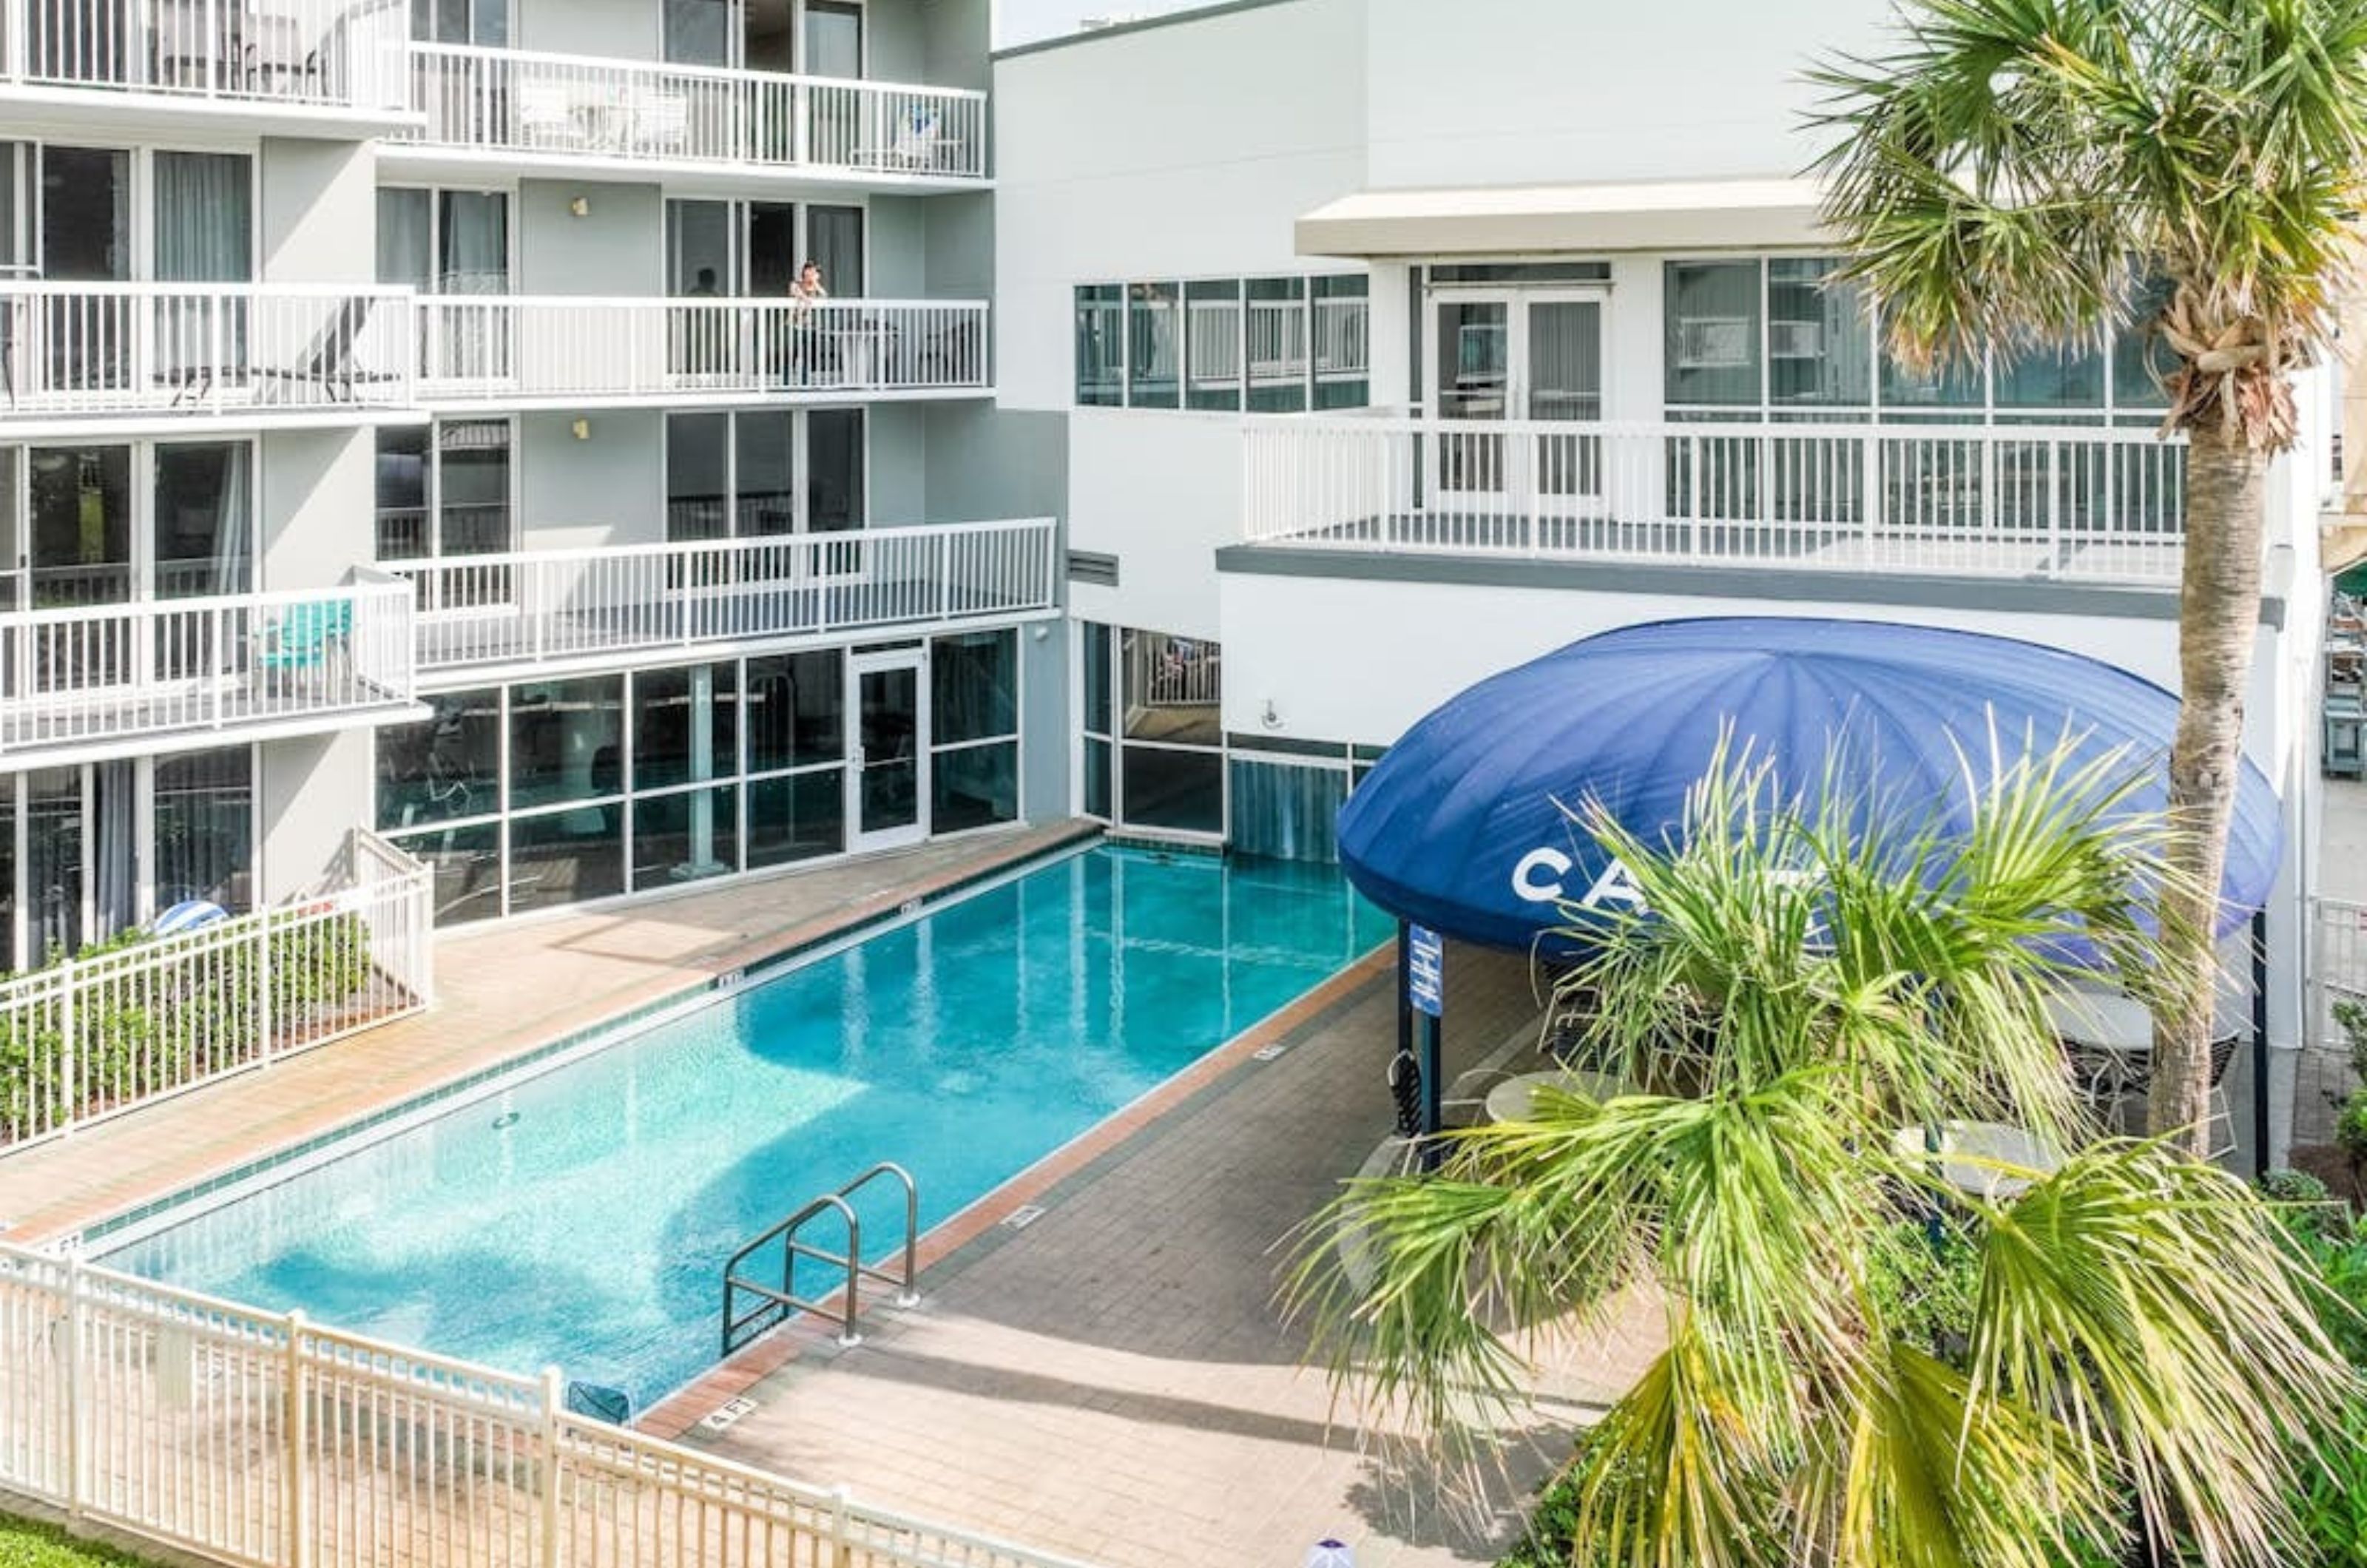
column 783, row 1302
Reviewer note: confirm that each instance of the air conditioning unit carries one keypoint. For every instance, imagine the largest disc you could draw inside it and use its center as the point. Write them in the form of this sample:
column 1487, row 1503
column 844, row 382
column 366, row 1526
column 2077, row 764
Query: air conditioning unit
column 1796, row 340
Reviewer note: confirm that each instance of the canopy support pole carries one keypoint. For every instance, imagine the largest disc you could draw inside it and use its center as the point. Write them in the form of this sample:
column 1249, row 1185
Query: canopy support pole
column 2259, row 1042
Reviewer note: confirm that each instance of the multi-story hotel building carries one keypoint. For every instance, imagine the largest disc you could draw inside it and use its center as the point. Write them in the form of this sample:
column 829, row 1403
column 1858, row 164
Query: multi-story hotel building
column 407, row 424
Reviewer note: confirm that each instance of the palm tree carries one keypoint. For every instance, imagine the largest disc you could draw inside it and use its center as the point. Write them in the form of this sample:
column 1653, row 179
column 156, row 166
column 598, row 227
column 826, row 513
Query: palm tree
column 1805, row 978
column 2025, row 173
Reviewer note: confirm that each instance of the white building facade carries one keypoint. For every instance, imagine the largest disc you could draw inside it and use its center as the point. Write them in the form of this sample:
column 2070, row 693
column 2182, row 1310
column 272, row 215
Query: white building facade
column 406, row 426
column 1398, row 346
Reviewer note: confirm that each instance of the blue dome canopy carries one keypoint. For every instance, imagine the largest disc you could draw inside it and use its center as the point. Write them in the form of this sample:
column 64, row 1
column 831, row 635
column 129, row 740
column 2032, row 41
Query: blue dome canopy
column 1462, row 827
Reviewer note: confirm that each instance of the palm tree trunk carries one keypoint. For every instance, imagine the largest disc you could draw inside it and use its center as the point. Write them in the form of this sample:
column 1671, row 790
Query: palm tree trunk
column 2218, row 623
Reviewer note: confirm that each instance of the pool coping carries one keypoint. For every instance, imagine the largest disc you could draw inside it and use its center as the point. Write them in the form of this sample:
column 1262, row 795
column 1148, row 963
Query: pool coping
column 725, row 971
column 678, row 1414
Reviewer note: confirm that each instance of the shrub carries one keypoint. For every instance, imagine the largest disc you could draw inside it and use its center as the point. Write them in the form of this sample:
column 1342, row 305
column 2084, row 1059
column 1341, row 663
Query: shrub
column 2350, row 1128
column 188, row 1021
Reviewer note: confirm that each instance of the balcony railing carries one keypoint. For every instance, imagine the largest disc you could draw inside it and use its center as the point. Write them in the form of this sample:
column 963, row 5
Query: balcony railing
column 348, row 54
column 535, row 607
column 2084, row 503
column 87, row 678
column 585, row 106
column 194, row 348
column 510, row 347
column 106, row 1033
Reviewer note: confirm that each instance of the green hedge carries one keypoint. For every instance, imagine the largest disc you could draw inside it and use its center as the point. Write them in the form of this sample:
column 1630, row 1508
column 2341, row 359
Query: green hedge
column 190, row 1021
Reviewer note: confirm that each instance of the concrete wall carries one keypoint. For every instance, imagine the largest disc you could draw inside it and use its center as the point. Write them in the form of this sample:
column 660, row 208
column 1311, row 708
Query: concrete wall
column 1044, row 722
column 314, row 506
column 618, row 248
column 1173, row 151
column 986, row 463
column 608, row 490
column 899, row 487
column 1522, row 91
column 311, row 793
column 319, row 211
column 1162, row 493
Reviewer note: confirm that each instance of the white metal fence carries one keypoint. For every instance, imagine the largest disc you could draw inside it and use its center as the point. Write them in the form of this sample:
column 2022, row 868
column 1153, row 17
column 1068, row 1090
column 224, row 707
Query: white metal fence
column 537, row 606
column 2338, row 964
column 582, row 105
column 261, row 1438
column 330, row 53
column 2091, row 504
column 202, row 347
column 506, row 346
column 94, row 674
column 87, row 1037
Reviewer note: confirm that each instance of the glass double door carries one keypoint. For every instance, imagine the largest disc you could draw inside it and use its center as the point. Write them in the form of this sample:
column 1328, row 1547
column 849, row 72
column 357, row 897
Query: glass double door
column 887, row 759
column 1509, row 367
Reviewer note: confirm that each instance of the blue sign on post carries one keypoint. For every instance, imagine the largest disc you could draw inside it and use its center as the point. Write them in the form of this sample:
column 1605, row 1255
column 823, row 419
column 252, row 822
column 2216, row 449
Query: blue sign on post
column 1426, row 970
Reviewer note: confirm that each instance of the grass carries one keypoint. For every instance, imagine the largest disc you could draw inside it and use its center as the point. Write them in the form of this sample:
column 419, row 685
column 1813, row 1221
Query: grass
column 24, row 1544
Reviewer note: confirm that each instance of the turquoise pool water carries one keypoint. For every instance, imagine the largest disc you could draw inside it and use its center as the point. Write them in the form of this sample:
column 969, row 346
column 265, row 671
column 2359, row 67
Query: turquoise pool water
column 581, row 1218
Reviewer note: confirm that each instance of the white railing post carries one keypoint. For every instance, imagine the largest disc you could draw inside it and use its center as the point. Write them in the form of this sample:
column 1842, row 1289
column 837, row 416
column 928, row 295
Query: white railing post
column 297, row 1481
column 554, row 1396
column 69, row 1049
column 263, row 1008
column 77, row 1380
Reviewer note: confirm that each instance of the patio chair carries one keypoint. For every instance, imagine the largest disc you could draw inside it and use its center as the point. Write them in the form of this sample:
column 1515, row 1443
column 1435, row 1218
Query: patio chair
column 915, row 142
column 327, row 364
column 546, row 114
column 305, row 644
column 659, row 122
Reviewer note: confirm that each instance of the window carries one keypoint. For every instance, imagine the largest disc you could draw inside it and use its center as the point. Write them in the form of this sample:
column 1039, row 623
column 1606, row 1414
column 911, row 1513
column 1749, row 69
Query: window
column 444, row 489
column 165, row 520
column 205, row 828
column 1100, row 347
column 1273, row 344
column 444, row 242
column 1153, row 746
column 1787, row 333
column 974, row 730
column 731, row 475
column 1155, row 345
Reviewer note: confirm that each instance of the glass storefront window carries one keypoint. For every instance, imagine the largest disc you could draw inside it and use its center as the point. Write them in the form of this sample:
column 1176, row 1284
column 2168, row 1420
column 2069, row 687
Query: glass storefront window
column 442, row 768
column 797, row 710
column 796, row 817
column 974, row 687
column 565, row 739
column 1173, row 687
column 1212, row 346
column 1179, row 790
column 566, row 857
column 1098, row 678
column 1820, row 349
column 684, row 725
column 686, row 836
column 466, row 863
column 974, row 786
column 1342, row 349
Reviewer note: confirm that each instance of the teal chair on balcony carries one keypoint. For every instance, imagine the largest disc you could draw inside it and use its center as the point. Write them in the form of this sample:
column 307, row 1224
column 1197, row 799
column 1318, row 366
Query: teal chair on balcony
column 305, row 644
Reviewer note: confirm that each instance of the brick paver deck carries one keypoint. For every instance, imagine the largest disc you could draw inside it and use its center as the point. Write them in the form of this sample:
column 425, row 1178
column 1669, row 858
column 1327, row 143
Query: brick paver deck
column 1112, row 1380
column 500, row 993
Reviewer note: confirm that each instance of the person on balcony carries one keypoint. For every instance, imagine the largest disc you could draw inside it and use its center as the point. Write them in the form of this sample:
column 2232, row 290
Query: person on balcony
column 808, row 346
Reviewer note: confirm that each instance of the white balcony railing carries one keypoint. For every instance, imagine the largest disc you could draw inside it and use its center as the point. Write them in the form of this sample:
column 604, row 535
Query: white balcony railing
column 201, row 347
column 2089, row 504
column 350, row 54
column 534, row 607
column 90, row 1037
column 498, row 347
column 585, row 106
column 88, row 677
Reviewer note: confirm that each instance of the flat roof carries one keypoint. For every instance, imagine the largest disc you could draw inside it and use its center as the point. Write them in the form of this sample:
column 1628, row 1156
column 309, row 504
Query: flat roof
column 1610, row 216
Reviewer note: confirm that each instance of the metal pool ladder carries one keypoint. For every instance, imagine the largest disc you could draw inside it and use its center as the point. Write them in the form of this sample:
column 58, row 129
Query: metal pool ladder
column 775, row 1304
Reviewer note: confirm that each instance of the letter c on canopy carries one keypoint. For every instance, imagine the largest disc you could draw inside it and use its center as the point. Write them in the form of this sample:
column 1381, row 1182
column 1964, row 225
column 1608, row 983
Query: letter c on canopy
column 1526, row 883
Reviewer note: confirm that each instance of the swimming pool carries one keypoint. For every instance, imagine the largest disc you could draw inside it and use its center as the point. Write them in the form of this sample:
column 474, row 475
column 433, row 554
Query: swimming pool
column 581, row 1217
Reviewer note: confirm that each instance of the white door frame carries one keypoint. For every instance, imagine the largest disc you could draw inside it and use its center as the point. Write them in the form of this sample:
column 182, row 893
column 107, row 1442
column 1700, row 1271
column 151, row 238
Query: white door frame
column 1515, row 466
column 858, row 665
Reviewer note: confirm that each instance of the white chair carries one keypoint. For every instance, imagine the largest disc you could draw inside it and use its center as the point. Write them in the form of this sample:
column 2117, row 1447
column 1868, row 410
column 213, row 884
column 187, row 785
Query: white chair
column 546, row 114
column 660, row 121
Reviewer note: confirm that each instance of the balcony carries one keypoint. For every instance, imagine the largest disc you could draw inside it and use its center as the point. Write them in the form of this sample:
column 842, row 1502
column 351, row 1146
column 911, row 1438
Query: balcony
column 592, row 114
column 566, row 352
column 526, row 611
column 2082, row 504
column 96, row 681
column 305, row 66
column 175, row 352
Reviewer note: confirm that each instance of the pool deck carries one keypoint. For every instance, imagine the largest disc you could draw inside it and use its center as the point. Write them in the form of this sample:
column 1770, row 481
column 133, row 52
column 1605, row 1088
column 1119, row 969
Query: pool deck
column 501, row 993
column 1112, row 1380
